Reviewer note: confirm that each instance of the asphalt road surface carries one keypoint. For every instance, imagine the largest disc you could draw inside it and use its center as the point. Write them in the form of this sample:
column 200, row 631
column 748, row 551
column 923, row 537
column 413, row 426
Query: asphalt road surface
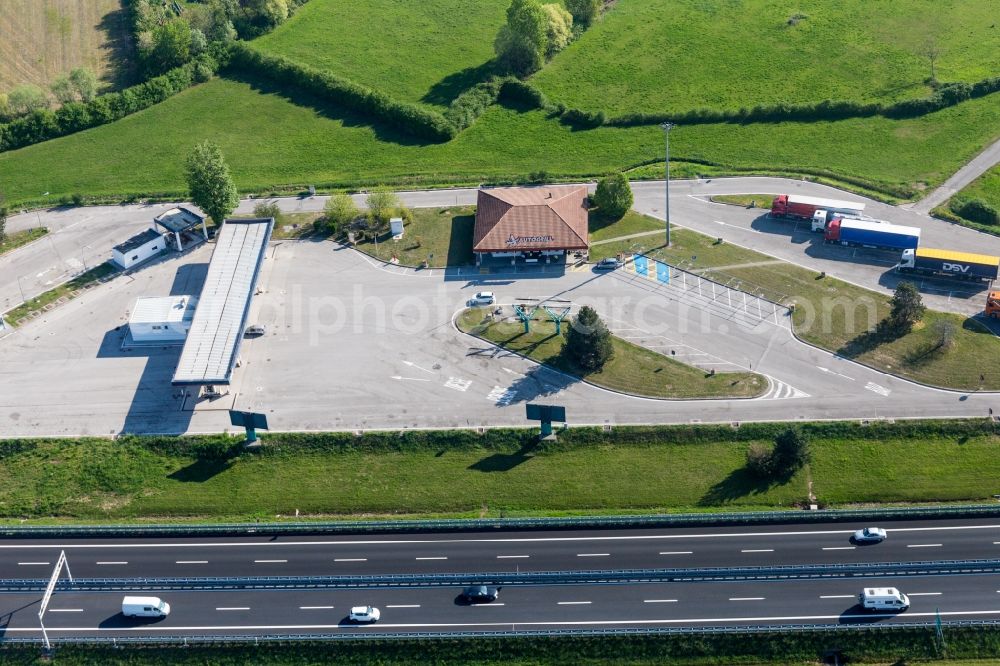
column 520, row 607
column 428, row 553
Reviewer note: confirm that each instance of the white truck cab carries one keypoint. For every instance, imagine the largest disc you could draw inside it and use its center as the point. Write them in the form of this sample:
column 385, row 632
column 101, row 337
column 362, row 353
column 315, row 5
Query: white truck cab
column 883, row 598
column 819, row 220
column 145, row 607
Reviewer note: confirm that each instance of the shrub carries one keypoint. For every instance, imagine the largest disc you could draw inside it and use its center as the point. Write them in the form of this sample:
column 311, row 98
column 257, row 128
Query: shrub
column 338, row 213
column 269, row 209
column 759, row 462
column 791, row 452
column 516, row 90
column 558, row 29
column 613, row 196
column 584, row 11
column 976, row 210
column 584, row 119
column 467, row 107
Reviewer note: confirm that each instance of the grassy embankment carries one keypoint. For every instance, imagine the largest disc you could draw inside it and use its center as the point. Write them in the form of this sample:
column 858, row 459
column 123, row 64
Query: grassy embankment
column 986, row 188
column 438, row 48
column 633, row 370
column 60, row 294
column 315, row 143
column 503, row 472
column 879, row 647
column 833, row 314
column 15, row 240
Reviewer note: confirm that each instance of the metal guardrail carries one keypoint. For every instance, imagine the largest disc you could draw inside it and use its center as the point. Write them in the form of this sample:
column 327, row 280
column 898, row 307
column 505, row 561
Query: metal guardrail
column 513, row 633
column 490, row 524
column 604, row 576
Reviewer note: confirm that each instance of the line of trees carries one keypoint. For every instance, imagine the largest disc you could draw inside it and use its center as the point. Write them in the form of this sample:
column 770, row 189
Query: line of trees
column 534, row 32
column 80, row 85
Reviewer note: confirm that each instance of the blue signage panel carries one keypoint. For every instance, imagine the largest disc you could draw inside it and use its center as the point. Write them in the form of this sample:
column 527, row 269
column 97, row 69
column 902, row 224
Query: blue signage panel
column 662, row 272
column 248, row 419
column 641, row 264
column 545, row 412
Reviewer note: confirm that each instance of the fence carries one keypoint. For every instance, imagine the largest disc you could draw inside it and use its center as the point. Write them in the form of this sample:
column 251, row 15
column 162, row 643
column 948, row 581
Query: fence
column 497, row 524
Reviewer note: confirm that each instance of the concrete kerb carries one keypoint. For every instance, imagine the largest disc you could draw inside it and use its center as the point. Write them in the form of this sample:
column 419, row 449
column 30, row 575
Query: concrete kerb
column 454, row 324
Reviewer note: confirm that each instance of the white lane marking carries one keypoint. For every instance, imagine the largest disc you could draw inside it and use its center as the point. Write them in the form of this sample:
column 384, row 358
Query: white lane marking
column 65, row 610
column 191, row 562
column 402, row 606
column 512, row 557
column 315, row 607
column 430, row 558
column 676, row 552
column 746, row 598
column 839, row 548
column 112, row 563
column 924, row 594
column 573, row 603
column 923, row 545
column 593, row 554
column 350, row 559
column 32, row 564
column 410, row 379
column 233, row 608
column 838, row 596
column 634, row 537
column 659, row 601
column 270, row 561
column 578, row 623
column 757, row 550
column 487, row 605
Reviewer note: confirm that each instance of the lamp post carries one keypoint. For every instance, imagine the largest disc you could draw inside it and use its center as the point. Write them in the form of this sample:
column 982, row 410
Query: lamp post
column 666, row 172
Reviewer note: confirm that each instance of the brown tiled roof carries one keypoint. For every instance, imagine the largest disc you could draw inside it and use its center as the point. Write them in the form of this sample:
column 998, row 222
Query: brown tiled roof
column 531, row 218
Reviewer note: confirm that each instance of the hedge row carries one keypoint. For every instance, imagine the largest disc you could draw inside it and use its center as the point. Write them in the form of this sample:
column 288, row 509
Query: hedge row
column 330, row 87
column 46, row 124
column 467, row 107
column 947, row 95
column 516, row 91
column 975, row 210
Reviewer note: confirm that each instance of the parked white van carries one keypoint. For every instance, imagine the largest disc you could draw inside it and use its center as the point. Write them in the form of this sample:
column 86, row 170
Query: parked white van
column 145, row 607
column 884, row 598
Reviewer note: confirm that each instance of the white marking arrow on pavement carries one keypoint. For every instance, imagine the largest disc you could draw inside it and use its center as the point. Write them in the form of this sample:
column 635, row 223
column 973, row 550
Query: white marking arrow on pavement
column 414, row 365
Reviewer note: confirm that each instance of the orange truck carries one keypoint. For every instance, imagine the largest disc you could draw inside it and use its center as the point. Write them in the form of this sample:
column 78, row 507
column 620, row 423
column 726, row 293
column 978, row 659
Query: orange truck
column 993, row 303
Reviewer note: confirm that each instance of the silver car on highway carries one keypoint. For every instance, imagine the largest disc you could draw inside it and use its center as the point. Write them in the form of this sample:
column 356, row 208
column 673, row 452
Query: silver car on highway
column 869, row 535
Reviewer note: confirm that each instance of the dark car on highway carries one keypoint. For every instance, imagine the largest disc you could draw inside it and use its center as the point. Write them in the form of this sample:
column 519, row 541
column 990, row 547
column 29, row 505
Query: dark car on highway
column 480, row 594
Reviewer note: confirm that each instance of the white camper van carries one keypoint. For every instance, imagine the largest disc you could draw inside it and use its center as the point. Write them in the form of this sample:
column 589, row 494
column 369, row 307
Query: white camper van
column 145, row 607
column 884, row 598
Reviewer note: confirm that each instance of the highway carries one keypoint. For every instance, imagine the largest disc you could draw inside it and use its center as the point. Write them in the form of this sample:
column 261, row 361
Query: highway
column 428, row 553
column 519, row 608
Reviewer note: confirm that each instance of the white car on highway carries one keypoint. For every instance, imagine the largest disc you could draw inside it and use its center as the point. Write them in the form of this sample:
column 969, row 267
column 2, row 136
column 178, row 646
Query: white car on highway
column 364, row 614
column 869, row 535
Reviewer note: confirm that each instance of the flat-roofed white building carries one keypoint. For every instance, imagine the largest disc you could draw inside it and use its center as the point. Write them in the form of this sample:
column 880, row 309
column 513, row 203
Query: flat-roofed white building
column 162, row 319
column 138, row 249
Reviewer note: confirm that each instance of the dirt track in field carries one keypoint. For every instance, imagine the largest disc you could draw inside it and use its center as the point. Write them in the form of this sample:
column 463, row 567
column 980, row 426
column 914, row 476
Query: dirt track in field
column 41, row 39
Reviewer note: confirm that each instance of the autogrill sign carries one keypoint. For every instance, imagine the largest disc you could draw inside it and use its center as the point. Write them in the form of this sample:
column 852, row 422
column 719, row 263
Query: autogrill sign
column 513, row 240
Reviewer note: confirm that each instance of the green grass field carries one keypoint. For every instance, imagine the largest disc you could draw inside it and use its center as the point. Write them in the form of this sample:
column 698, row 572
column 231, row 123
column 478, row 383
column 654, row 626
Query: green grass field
column 306, row 143
column 985, row 188
column 584, row 472
column 440, row 236
column 427, row 51
column 666, row 55
column 633, row 369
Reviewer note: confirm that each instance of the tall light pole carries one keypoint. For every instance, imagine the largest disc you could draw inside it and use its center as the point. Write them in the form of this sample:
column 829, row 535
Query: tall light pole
column 666, row 179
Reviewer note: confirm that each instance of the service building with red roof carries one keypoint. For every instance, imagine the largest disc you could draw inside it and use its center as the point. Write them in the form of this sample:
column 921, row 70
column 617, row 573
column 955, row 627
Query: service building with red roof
column 531, row 223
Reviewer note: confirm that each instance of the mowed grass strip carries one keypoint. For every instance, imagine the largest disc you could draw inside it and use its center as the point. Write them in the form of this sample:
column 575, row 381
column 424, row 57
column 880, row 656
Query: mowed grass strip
column 439, row 236
column 633, row 370
column 17, row 239
column 674, row 55
column 310, row 143
column 430, row 51
column 503, row 472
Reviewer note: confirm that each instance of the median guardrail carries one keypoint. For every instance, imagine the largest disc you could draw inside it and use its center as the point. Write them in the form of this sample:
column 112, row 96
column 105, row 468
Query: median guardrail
column 593, row 577
column 503, row 524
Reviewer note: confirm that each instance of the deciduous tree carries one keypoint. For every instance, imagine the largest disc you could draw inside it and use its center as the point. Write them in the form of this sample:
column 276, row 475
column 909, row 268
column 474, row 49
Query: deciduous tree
column 338, row 213
column 84, row 82
column 907, row 307
column 584, row 11
column 613, row 196
column 559, row 29
column 520, row 45
column 209, row 182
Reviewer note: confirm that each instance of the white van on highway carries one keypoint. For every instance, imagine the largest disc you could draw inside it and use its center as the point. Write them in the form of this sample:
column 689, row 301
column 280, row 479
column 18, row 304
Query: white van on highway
column 145, row 607
column 883, row 598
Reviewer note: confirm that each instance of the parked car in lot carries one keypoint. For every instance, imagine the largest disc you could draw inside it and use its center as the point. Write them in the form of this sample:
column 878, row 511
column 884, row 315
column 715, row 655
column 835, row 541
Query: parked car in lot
column 483, row 298
column 480, row 593
column 608, row 264
column 255, row 330
column 869, row 535
column 364, row 614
